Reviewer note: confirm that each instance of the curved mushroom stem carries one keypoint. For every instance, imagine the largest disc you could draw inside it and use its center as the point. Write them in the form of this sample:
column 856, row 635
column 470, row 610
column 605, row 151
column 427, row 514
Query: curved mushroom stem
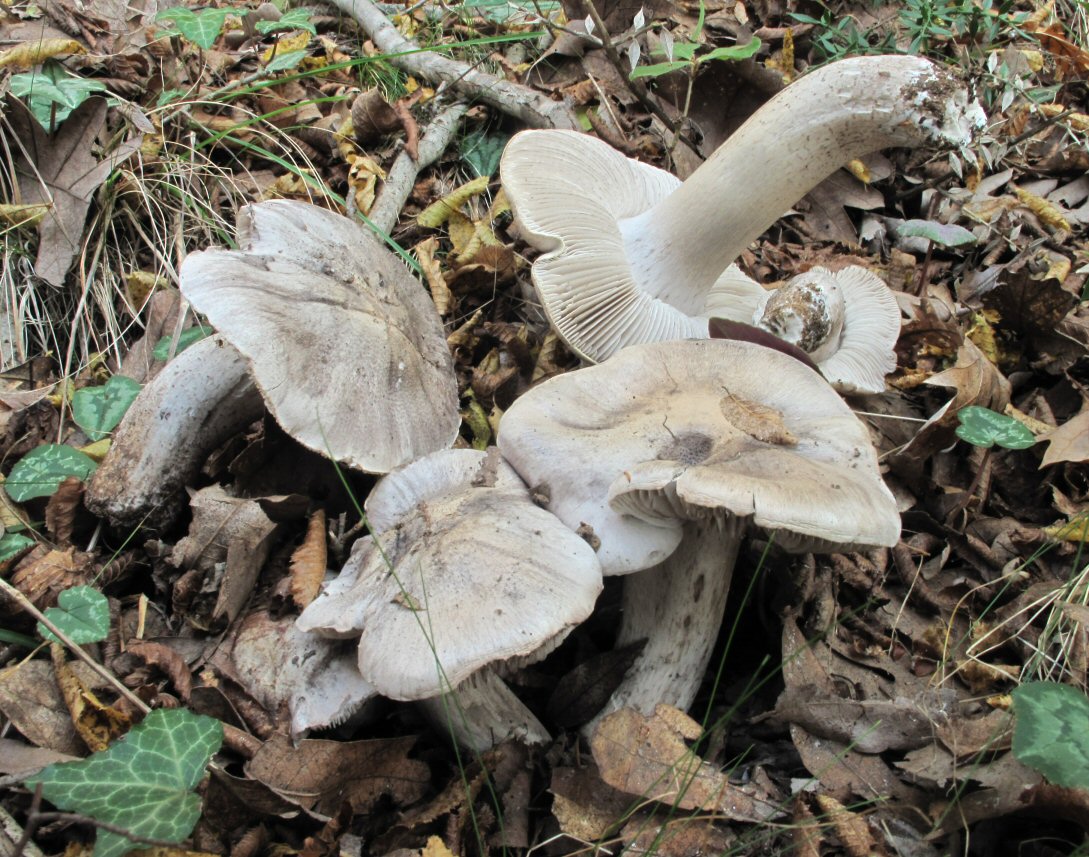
column 202, row 397
column 677, row 608
column 679, row 247
column 482, row 712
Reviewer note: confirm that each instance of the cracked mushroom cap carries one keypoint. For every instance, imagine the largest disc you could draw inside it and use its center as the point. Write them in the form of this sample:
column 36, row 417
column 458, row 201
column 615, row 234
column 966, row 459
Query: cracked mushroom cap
column 465, row 570
column 847, row 321
column 344, row 344
column 693, row 429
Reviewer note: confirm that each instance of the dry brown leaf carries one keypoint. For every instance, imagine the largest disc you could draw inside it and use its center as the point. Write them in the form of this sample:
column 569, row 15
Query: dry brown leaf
column 1069, row 442
column 43, row 573
column 647, row 756
column 167, row 660
column 806, row 833
column 229, row 531
column 32, row 702
column 308, row 562
column 851, row 828
column 63, row 172
column 60, row 511
column 756, row 420
column 584, row 806
column 319, row 775
column 20, row 760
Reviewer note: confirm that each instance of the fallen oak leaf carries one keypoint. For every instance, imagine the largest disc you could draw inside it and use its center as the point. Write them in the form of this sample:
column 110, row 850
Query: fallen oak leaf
column 1069, row 442
column 648, row 756
column 59, row 170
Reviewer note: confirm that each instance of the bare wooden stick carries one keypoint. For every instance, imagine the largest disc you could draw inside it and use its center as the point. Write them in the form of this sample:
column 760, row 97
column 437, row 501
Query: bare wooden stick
column 402, row 175
column 519, row 101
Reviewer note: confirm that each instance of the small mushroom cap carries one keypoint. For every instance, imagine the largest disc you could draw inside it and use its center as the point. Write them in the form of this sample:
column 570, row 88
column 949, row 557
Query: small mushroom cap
column 871, row 326
column 346, row 347
column 692, row 429
column 472, row 573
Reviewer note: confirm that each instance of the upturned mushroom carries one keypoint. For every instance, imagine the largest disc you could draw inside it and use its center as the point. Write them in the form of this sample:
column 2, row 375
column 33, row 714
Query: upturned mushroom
column 345, row 345
column 630, row 254
column 847, row 321
column 464, row 574
column 708, row 437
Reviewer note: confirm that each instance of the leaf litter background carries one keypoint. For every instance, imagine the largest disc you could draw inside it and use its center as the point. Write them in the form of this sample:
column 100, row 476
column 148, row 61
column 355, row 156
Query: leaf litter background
column 879, row 681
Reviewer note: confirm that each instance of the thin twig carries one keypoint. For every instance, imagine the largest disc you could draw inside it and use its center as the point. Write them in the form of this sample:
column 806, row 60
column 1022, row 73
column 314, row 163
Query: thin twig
column 519, row 101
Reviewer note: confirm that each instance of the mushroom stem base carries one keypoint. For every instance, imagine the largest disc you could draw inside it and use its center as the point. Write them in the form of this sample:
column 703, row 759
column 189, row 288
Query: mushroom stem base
column 677, row 608
column 482, row 712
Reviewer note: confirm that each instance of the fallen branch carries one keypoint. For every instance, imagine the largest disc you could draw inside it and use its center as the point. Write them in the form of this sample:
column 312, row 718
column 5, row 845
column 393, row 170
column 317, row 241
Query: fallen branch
column 402, row 175
column 519, row 101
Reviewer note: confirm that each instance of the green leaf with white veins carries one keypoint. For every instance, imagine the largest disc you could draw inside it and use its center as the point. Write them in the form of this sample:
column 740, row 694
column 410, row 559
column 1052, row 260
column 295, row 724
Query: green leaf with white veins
column 142, row 783
column 82, row 614
column 201, row 29
column 98, row 410
column 1052, row 732
column 40, row 472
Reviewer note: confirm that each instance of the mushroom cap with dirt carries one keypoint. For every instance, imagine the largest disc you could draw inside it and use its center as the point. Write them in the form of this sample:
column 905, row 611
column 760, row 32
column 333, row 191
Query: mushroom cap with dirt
column 847, row 321
column 345, row 345
column 704, row 438
column 631, row 254
column 464, row 572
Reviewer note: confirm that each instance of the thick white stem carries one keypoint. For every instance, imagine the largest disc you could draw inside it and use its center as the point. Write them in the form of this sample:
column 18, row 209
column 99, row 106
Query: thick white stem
column 677, row 608
column 678, row 248
column 482, row 712
column 202, row 397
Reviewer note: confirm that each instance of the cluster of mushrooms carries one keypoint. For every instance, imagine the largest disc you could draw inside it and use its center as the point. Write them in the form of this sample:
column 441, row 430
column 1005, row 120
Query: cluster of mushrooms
column 653, row 463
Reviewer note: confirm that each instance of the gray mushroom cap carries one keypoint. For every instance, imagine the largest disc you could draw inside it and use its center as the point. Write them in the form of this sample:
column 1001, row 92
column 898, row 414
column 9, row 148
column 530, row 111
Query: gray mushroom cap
column 344, row 344
column 469, row 572
column 691, row 429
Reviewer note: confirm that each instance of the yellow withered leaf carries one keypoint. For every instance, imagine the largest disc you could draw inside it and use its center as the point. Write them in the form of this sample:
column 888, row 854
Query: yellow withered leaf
column 462, row 234
column 436, row 214
column 308, row 562
column 295, row 42
column 1046, row 211
column 23, row 215
column 30, row 54
column 860, row 171
column 1077, row 121
column 436, row 283
column 1076, row 530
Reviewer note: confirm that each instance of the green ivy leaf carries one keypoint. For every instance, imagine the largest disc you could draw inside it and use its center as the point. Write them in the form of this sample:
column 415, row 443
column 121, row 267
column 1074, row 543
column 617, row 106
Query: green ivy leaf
column 98, row 410
column 142, row 783
column 284, row 61
column 52, row 93
column 295, row 19
column 482, row 150
column 200, row 28
column 41, row 471
column 187, row 337
column 984, row 427
column 733, row 53
column 13, row 544
column 1051, row 734
column 82, row 614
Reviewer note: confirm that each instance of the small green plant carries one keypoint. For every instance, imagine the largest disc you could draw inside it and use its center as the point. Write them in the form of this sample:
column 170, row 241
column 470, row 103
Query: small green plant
column 837, row 36
column 82, row 614
column 13, row 544
column 685, row 56
column 295, row 19
column 40, row 472
column 187, row 337
column 98, row 410
column 985, row 428
column 1051, row 734
column 143, row 783
column 200, row 28
column 52, row 93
